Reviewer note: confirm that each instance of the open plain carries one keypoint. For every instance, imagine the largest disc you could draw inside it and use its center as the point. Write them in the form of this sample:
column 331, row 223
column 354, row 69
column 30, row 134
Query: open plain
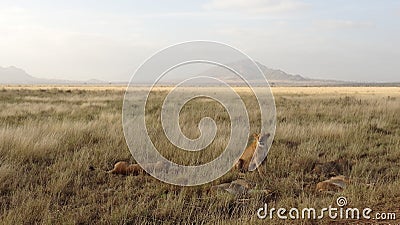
column 57, row 142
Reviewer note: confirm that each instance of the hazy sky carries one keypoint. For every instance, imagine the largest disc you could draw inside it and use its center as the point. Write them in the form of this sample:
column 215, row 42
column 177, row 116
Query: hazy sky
column 345, row 40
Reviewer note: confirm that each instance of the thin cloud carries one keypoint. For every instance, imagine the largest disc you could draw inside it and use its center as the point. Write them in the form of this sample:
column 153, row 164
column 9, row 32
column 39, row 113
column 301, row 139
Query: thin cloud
column 342, row 24
column 256, row 6
column 12, row 10
column 172, row 15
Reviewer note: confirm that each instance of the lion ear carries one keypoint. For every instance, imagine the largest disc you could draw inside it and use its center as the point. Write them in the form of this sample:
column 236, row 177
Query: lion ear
column 256, row 136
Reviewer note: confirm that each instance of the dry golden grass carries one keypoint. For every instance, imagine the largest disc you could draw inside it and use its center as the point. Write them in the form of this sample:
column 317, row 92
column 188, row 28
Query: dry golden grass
column 50, row 136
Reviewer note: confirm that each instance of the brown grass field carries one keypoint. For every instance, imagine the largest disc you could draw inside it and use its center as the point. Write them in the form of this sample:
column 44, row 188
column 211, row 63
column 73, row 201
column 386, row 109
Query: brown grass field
column 52, row 137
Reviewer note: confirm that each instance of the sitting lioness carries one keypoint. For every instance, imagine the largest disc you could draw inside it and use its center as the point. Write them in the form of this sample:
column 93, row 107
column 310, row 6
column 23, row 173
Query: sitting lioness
column 246, row 159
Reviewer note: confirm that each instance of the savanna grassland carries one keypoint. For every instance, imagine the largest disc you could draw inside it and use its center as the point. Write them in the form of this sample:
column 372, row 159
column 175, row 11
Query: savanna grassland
column 57, row 142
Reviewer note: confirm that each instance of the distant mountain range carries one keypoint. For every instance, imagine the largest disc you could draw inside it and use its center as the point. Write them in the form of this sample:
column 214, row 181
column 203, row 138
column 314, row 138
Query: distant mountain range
column 247, row 68
column 274, row 76
column 14, row 75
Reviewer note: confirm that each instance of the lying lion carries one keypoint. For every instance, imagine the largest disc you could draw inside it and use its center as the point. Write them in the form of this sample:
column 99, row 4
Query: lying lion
column 124, row 168
column 334, row 184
